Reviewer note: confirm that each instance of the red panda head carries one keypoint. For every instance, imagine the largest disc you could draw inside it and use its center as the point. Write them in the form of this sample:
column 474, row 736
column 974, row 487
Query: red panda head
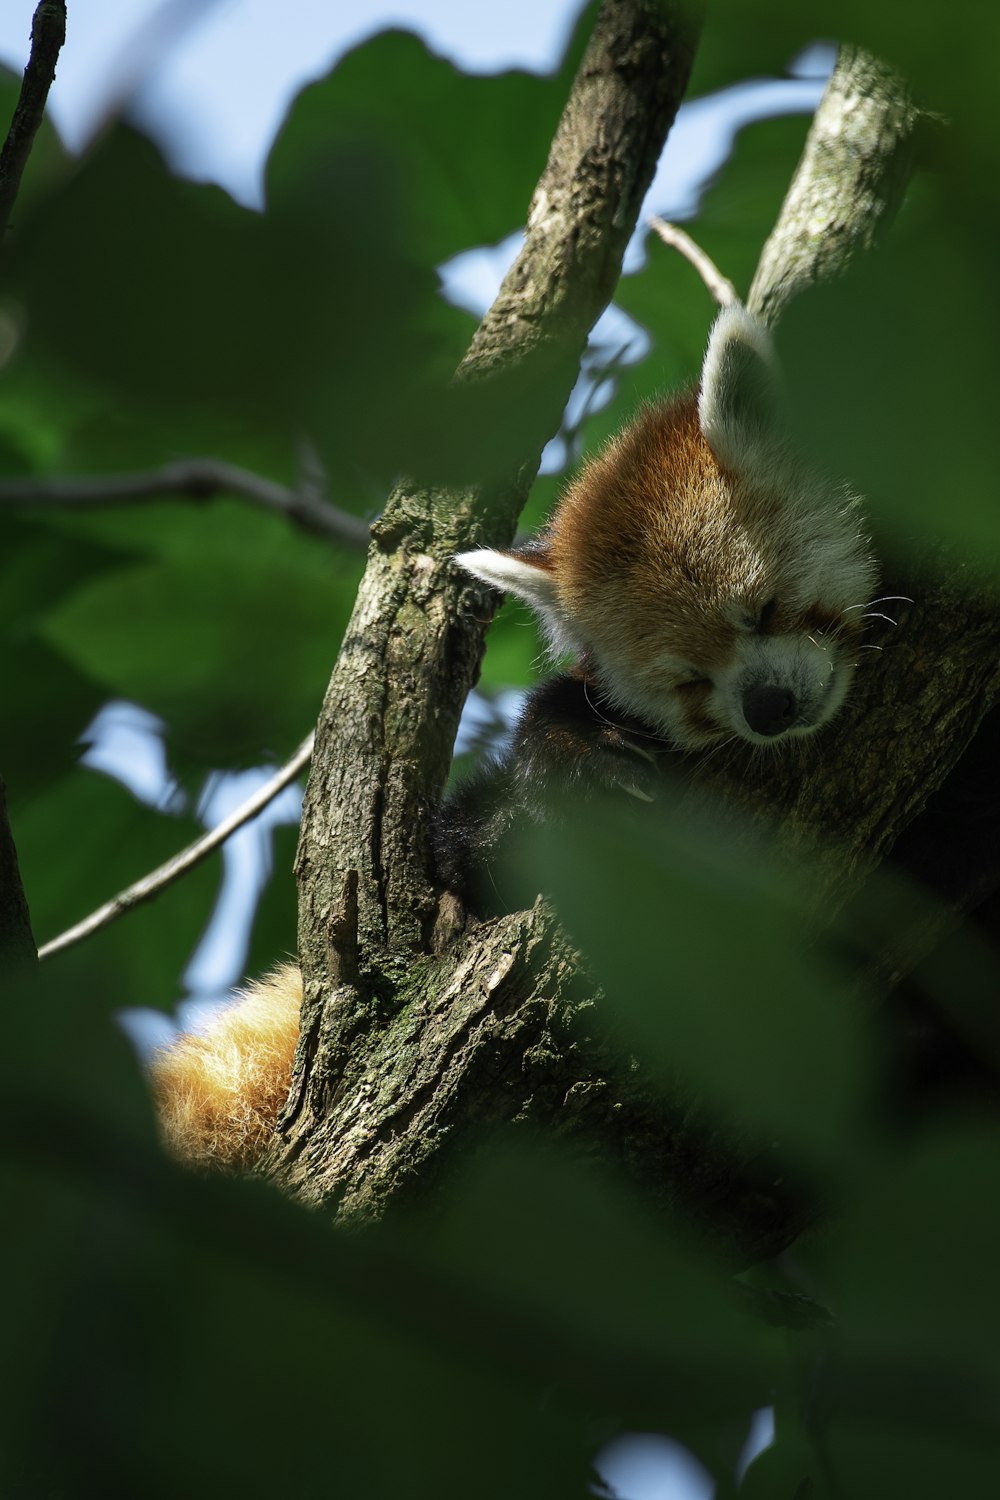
column 709, row 580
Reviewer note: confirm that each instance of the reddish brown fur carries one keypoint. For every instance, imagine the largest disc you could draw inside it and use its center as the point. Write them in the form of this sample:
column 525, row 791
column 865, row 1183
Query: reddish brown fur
column 634, row 521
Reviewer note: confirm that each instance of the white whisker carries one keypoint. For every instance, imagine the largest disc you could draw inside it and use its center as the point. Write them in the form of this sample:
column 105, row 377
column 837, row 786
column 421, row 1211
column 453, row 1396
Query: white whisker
column 885, row 599
column 631, row 731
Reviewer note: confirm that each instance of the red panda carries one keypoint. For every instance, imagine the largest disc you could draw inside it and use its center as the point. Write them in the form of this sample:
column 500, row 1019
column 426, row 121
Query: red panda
column 709, row 585
column 701, row 573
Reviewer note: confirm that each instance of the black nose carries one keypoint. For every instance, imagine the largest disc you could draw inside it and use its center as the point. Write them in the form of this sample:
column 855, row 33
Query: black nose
column 769, row 710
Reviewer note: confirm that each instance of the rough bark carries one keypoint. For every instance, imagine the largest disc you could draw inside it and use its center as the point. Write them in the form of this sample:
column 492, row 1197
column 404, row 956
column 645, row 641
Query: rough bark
column 413, row 646
column 506, row 1027
column 850, row 181
column 369, row 908
column 414, row 1048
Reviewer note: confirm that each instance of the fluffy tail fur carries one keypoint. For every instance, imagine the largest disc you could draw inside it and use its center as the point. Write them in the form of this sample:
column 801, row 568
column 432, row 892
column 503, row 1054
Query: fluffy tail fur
column 218, row 1093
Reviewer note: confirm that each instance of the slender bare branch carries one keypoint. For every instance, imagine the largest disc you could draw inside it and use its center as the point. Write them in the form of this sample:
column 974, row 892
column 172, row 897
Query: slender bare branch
column 48, row 32
column 720, row 286
column 151, row 885
column 191, row 479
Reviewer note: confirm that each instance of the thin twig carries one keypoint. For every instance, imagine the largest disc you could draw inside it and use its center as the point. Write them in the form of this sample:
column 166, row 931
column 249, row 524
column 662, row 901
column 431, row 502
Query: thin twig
column 48, row 32
column 720, row 286
column 192, row 479
column 151, row 885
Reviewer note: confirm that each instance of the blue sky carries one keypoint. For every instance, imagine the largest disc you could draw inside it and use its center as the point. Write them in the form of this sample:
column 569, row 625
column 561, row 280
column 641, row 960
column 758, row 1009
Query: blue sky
column 213, row 78
column 217, row 75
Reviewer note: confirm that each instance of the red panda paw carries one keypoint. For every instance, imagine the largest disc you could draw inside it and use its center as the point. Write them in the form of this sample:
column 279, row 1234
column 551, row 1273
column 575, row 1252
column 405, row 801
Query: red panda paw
column 621, row 765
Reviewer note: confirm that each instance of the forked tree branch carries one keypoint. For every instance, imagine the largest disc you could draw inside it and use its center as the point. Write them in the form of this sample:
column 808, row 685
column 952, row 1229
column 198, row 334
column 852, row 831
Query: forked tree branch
column 412, row 649
column 48, row 32
column 495, row 1028
column 413, row 646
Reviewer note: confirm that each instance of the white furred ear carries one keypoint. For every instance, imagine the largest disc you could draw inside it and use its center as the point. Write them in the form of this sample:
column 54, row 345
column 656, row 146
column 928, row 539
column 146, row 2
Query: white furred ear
column 740, row 401
column 517, row 574
column 513, row 575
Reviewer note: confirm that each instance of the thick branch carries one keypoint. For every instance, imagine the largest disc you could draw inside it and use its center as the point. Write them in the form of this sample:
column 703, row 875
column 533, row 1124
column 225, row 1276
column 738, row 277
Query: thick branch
column 413, row 646
column 850, row 181
column 502, row 1028
column 48, row 32
column 191, row 479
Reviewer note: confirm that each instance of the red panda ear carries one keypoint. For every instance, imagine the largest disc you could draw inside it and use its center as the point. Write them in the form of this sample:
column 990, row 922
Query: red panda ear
column 524, row 573
column 527, row 573
column 739, row 404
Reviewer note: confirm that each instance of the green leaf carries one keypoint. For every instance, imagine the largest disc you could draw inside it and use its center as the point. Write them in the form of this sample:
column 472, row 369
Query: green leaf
column 912, row 1393
column 80, row 843
column 228, row 632
column 736, row 44
column 466, row 151
column 702, row 950
column 47, row 702
column 896, row 386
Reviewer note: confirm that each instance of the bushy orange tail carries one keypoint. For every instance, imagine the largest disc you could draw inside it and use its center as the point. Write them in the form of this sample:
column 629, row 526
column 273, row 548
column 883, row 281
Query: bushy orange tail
column 218, row 1093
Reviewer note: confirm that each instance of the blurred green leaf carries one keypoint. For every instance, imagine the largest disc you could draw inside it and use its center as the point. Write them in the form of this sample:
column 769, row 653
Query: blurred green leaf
column 912, row 1393
column 630, row 1313
column 227, row 631
column 46, row 702
column 909, row 376
column 450, row 195
column 79, row 844
column 701, row 947
column 736, row 45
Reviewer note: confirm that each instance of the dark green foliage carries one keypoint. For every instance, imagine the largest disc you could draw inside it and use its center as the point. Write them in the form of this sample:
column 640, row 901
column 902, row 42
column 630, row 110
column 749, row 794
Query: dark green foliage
column 166, row 1336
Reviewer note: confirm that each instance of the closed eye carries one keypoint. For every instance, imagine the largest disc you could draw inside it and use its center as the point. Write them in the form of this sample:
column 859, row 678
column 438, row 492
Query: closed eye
column 765, row 618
